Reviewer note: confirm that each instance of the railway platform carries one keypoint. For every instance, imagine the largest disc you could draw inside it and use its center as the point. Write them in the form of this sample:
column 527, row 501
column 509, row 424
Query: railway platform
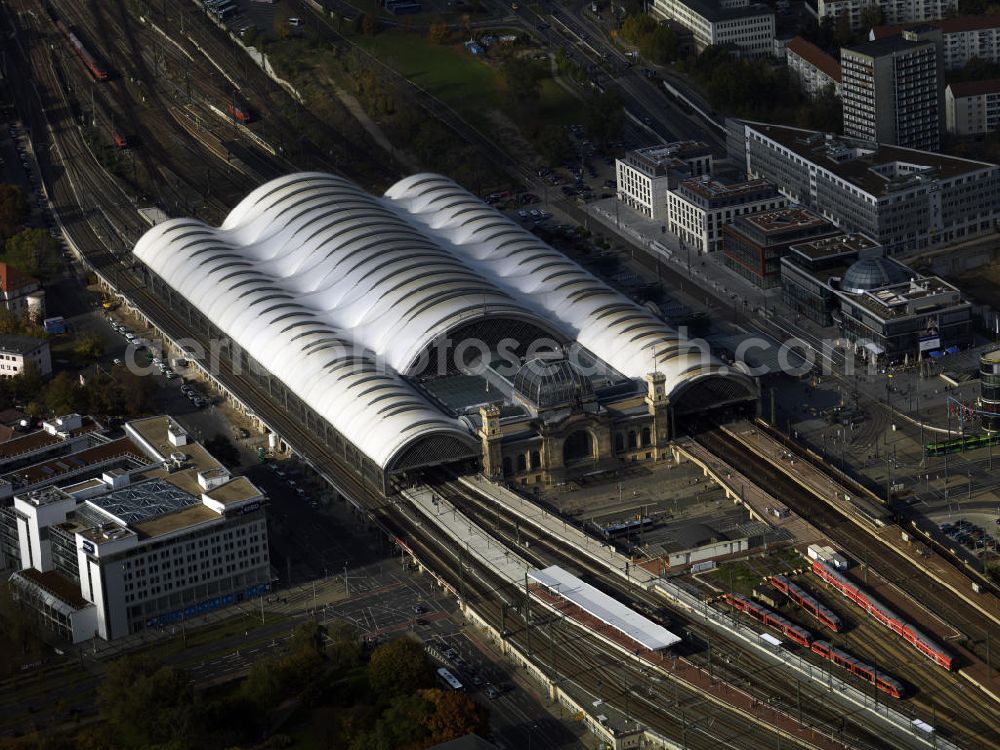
column 741, row 489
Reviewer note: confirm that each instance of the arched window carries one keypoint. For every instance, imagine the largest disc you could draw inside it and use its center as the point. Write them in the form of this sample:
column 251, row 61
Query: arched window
column 506, row 465
column 619, row 442
column 522, row 464
column 631, row 439
column 645, row 436
column 536, row 459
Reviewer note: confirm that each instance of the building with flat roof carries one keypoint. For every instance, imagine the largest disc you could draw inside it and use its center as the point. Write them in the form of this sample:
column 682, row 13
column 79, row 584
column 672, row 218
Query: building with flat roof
column 901, row 320
column 645, row 175
column 749, row 28
column 906, row 200
column 961, row 38
column 424, row 328
column 811, row 273
column 754, row 244
column 814, row 69
column 989, row 390
column 164, row 534
column 700, row 207
column 892, row 11
column 890, row 90
column 18, row 352
column 21, row 294
column 972, row 107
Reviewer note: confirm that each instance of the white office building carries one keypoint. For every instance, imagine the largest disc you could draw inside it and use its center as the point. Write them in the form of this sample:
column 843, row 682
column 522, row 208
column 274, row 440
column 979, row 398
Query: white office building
column 699, row 208
column 166, row 535
column 644, row 176
column 972, row 107
column 961, row 38
column 893, row 11
column 813, row 69
column 747, row 27
column 17, row 352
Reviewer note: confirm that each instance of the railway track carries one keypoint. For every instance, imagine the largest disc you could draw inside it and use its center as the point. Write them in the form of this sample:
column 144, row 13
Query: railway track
column 895, row 569
column 740, row 669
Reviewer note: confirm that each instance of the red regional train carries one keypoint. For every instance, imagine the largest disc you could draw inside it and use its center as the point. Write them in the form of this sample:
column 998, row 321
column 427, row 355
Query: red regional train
column 884, row 615
column 805, row 600
column 96, row 70
column 239, row 113
column 866, row 672
column 773, row 620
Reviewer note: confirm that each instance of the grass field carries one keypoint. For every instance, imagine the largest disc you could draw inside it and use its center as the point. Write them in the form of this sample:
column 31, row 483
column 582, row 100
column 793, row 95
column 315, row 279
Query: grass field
column 463, row 81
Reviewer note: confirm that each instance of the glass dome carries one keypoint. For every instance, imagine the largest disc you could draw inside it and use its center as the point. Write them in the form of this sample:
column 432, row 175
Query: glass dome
column 873, row 273
column 549, row 383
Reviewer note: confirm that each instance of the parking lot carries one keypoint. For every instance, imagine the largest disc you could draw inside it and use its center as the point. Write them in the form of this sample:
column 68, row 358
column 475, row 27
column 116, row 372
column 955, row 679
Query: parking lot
column 973, row 537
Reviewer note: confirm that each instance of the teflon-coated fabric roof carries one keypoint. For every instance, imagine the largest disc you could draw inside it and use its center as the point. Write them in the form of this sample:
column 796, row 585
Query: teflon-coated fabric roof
column 605, row 608
column 336, row 292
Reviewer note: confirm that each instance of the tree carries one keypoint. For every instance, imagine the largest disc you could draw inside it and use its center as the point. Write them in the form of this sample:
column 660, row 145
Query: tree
column 455, row 715
column 27, row 385
column 146, row 703
column 523, row 79
column 842, row 32
column 402, row 726
column 13, row 210
column 134, row 392
column 34, row 252
column 64, row 395
column 368, row 25
column 825, row 112
column 604, row 117
column 871, row 16
column 89, row 346
column 398, row 668
column 439, row 32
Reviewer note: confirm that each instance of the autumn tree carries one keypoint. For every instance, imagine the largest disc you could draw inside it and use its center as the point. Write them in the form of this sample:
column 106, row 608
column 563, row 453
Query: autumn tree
column 455, row 715
column 89, row 346
column 146, row 703
column 34, row 252
column 63, row 395
column 13, row 210
column 439, row 32
column 398, row 668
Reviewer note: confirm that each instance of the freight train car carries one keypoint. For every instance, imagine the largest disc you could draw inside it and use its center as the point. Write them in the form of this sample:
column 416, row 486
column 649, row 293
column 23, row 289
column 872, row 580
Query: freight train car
column 805, row 600
column 866, row 672
column 773, row 620
column 884, row 615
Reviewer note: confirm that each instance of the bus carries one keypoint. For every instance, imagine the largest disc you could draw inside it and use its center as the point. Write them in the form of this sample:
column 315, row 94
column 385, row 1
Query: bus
column 448, row 679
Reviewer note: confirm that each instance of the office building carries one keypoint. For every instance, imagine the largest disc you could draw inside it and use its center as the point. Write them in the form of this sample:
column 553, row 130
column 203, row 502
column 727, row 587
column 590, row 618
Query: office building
column 16, row 352
column 700, row 207
column 890, row 92
column 892, row 11
column 989, row 390
column 753, row 245
column 962, row 38
column 749, row 28
column 892, row 319
column 21, row 294
column 645, row 175
column 140, row 532
column 813, row 69
column 905, row 200
column 972, row 107
column 811, row 272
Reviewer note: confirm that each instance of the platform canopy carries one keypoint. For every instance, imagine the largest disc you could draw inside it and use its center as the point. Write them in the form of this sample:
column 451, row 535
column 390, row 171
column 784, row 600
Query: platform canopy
column 608, row 610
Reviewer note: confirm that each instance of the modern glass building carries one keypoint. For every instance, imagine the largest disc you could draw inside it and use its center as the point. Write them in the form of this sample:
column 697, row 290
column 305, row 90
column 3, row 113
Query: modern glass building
column 989, row 395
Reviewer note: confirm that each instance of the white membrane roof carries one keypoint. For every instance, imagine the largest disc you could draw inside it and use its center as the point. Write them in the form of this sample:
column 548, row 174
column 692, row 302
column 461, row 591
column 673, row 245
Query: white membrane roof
column 337, row 292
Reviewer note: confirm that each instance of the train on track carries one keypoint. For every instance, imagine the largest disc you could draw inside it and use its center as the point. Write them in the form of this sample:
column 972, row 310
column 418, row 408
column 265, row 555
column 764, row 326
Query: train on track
column 962, row 444
column 97, row 71
column 772, row 619
column 239, row 112
column 866, row 672
column 805, row 600
column 121, row 141
column 884, row 615
column 804, row 638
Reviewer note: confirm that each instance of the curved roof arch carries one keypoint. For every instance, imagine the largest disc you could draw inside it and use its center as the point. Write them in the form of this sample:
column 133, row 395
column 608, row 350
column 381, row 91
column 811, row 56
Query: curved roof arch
column 337, row 292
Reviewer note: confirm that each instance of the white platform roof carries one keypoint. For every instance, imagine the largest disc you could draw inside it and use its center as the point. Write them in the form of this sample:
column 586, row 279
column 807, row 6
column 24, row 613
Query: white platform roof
column 605, row 608
column 337, row 292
